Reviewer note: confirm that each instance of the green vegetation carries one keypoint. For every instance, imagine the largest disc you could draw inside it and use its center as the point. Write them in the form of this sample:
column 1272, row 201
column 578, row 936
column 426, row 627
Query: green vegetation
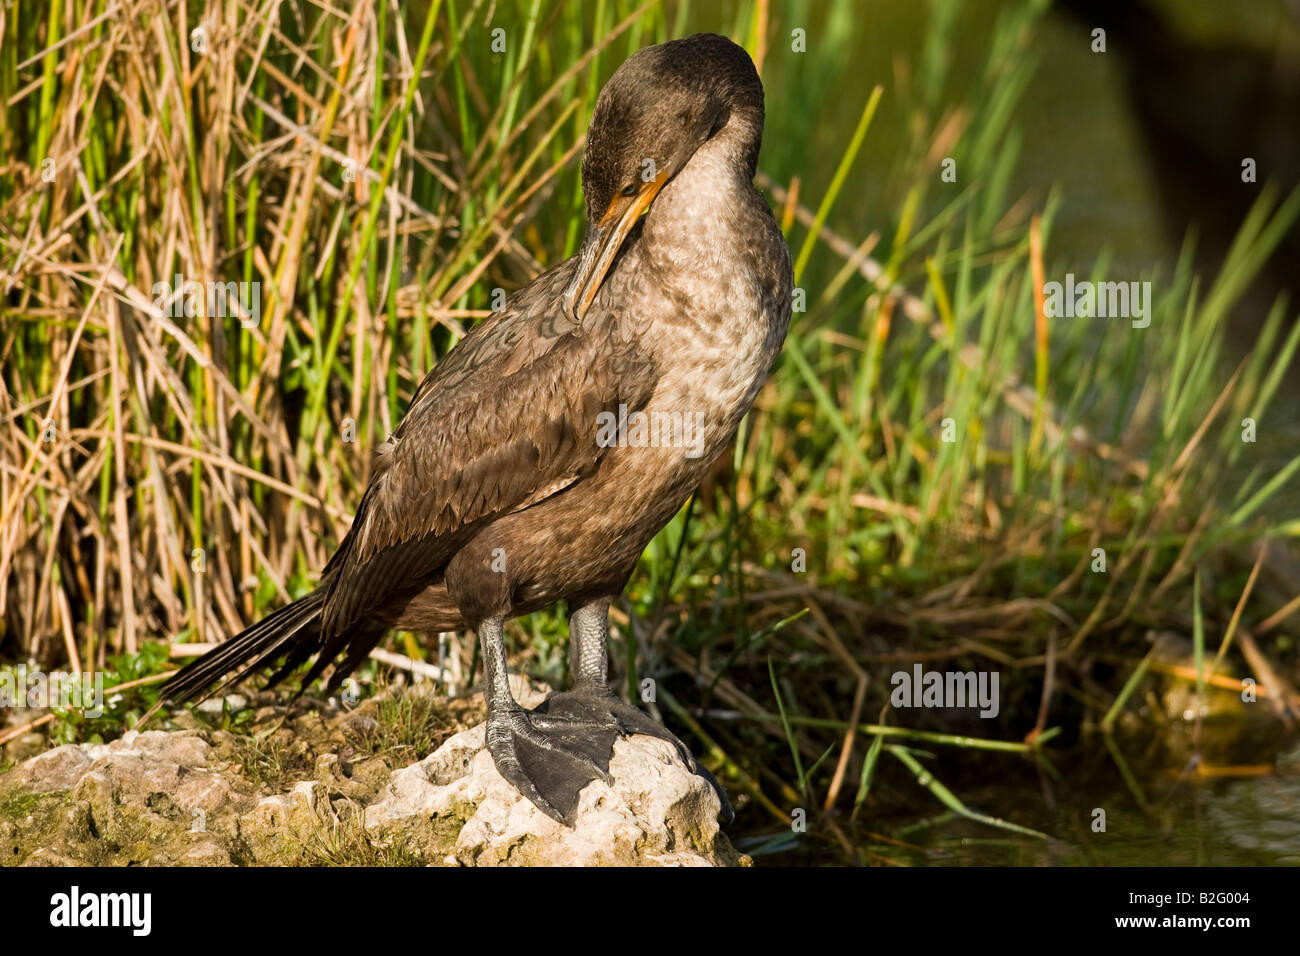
column 928, row 475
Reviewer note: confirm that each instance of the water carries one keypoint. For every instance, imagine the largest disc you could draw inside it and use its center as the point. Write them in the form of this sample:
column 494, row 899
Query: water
column 1171, row 820
column 1139, row 803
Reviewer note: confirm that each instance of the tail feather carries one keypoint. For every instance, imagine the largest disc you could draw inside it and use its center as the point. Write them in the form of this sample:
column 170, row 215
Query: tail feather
column 293, row 630
column 327, row 654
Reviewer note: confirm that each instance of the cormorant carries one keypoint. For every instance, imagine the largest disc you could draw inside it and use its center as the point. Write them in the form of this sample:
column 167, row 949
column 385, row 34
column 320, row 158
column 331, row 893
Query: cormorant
column 521, row 475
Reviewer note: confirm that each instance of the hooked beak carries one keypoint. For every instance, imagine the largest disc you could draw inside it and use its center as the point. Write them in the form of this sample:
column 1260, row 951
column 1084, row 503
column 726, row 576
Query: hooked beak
column 602, row 245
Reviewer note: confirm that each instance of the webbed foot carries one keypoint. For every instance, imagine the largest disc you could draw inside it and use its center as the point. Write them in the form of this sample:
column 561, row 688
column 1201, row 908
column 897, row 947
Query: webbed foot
column 597, row 705
column 551, row 753
column 551, row 758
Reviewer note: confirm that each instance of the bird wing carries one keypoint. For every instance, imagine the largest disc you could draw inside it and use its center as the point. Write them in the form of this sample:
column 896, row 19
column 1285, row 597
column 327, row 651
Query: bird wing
column 507, row 419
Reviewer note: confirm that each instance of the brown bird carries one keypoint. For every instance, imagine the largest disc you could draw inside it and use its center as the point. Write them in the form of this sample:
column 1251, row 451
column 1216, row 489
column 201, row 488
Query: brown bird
column 542, row 454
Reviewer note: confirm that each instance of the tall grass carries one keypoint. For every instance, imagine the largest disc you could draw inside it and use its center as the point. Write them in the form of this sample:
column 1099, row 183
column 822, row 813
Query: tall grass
column 930, row 470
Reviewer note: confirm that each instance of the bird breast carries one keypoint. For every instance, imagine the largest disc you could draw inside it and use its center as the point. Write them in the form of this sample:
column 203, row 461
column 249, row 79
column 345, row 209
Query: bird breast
column 717, row 279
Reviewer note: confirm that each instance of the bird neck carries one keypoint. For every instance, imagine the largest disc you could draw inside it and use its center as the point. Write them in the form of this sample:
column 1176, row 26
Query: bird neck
column 712, row 198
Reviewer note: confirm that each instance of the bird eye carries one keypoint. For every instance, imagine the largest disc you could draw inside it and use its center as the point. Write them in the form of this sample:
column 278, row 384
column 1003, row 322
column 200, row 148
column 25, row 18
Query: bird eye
column 629, row 190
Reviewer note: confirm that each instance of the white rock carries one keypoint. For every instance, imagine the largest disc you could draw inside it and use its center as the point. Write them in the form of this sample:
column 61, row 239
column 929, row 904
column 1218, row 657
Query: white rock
column 656, row 813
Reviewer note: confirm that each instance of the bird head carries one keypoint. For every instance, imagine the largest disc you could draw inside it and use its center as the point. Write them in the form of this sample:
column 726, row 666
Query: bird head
column 656, row 111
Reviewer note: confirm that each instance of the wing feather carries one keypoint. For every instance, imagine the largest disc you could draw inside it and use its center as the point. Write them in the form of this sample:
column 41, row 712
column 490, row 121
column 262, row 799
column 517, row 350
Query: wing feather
column 507, row 419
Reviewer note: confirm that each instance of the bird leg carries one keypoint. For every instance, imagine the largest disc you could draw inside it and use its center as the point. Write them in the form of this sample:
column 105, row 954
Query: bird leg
column 549, row 758
column 592, row 700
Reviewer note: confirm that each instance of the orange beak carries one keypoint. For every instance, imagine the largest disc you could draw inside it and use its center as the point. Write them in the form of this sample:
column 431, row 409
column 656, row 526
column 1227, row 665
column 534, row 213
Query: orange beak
column 602, row 245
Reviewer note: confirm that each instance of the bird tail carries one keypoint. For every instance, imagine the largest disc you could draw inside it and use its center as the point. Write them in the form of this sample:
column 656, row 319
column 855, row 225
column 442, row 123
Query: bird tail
column 293, row 632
